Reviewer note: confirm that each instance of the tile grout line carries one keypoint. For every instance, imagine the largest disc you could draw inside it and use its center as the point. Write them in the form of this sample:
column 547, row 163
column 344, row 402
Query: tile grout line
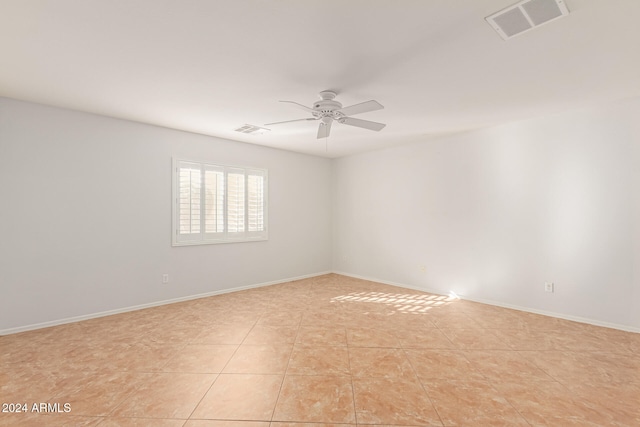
column 284, row 375
column 353, row 387
column 217, row 375
column 422, row 385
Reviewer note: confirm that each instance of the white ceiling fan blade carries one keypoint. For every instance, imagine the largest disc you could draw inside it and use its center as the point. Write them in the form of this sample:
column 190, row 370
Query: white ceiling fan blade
column 289, row 121
column 363, row 107
column 324, row 129
column 304, row 107
column 366, row 124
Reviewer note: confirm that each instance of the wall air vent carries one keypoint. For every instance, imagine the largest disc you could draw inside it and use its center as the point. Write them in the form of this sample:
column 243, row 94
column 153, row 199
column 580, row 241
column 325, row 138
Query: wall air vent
column 526, row 15
column 252, row 129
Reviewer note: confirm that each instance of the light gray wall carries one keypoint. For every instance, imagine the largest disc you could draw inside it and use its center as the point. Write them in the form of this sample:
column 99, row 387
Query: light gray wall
column 494, row 214
column 85, row 217
column 490, row 214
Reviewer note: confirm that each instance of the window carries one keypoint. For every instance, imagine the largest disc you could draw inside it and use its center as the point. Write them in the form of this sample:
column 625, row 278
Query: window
column 218, row 203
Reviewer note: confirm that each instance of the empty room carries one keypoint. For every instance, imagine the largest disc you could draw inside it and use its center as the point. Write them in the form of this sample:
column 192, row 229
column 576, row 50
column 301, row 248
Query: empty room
column 286, row 213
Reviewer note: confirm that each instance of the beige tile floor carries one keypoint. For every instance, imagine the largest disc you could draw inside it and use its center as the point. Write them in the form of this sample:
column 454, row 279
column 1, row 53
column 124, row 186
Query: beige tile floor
column 330, row 350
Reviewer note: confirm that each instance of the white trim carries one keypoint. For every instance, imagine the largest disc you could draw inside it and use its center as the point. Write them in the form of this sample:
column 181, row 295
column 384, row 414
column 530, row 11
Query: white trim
column 152, row 304
column 307, row 276
column 556, row 315
column 578, row 319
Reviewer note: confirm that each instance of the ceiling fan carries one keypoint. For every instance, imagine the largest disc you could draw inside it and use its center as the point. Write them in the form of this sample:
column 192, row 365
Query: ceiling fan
column 328, row 110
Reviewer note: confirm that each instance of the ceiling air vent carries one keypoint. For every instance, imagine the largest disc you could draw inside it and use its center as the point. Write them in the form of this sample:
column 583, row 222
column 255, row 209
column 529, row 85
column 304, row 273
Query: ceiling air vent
column 526, row 15
column 252, row 129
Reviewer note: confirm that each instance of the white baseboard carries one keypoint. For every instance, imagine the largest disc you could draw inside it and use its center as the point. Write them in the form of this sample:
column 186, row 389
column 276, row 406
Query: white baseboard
column 594, row 322
column 149, row 305
column 275, row 282
column 578, row 319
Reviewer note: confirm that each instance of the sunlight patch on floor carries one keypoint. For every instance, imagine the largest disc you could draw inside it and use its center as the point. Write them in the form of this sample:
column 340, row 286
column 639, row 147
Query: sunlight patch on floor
column 407, row 303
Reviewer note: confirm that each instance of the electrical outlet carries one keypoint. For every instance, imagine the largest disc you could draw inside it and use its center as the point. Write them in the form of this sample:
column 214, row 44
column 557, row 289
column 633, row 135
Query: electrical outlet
column 165, row 278
column 548, row 287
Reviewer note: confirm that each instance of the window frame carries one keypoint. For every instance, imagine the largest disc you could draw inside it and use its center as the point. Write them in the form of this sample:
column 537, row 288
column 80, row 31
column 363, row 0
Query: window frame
column 225, row 236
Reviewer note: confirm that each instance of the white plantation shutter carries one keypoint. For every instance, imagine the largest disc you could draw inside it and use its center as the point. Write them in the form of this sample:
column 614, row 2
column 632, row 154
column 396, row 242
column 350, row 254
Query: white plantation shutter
column 218, row 203
column 214, row 199
column 189, row 200
column 255, row 201
column 235, row 201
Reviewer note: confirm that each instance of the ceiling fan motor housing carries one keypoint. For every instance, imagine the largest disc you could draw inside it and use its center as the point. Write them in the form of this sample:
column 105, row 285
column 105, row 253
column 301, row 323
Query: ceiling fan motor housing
column 326, row 106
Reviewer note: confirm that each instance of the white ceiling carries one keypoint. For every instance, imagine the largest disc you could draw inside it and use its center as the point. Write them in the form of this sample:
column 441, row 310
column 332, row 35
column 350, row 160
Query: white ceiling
column 210, row 66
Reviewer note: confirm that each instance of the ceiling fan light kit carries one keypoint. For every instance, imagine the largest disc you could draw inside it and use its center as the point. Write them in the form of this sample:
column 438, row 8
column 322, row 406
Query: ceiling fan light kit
column 327, row 110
